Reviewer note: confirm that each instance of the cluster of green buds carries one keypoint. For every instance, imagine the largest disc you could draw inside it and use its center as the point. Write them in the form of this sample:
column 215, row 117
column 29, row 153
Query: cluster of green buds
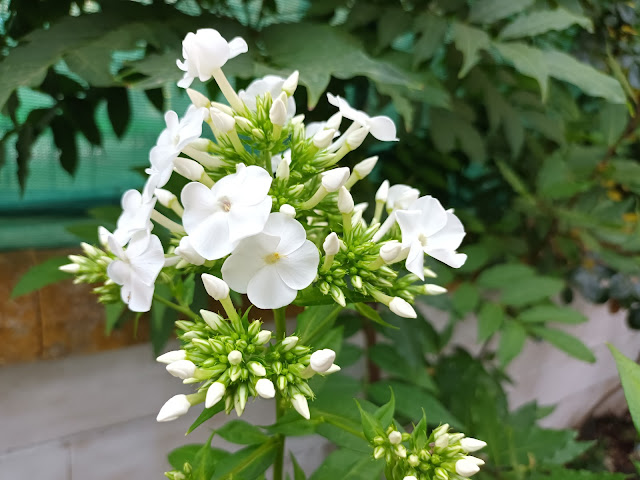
column 92, row 268
column 441, row 455
column 184, row 474
column 232, row 359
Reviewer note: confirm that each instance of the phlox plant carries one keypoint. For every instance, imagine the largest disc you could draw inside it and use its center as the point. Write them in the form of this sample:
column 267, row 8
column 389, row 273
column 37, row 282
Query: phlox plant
column 265, row 210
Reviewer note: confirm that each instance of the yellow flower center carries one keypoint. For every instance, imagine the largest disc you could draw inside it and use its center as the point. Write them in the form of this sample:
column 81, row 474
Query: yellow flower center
column 272, row 258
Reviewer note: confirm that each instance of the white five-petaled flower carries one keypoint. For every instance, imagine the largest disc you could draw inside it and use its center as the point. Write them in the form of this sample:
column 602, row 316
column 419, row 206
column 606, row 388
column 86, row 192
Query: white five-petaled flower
column 178, row 134
column 428, row 228
column 381, row 127
column 206, row 51
column 269, row 83
column 136, row 269
column 135, row 216
column 272, row 266
column 236, row 207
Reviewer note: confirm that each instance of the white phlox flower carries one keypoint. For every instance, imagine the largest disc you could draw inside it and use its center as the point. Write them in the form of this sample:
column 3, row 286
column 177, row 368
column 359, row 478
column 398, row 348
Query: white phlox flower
column 381, row 127
column 178, row 134
column 273, row 265
column 428, row 228
column 136, row 269
column 206, row 51
column 236, row 207
column 269, row 83
column 135, row 216
column 400, row 196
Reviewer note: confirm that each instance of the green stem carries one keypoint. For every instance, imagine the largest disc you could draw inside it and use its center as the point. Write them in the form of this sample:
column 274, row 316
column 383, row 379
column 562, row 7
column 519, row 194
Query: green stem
column 176, row 307
column 280, row 318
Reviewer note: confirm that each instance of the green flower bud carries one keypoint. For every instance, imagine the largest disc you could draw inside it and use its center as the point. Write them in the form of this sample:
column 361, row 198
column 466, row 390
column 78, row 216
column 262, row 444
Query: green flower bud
column 281, row 382
column 414, row 461
column 441, row 474
column 379, row 440
column 379, row 452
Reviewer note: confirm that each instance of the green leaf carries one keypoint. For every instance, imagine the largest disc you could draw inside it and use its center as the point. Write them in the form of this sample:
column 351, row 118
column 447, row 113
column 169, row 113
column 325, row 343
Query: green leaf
column 629, row 372
column 490, row 319
column 465, row 298
column 41, row 275
column 432, row 31
column 349, row 465
column 469, row 41
column 118, row 109
column 529, row 290
column 316, row 69
column 490, row 11
column 592, row 82
column 551, row 313
column 528, row 61
column 511, row 342
column 504, row 274
column 242, row 433
column 162, row 319
column 385, row 413
column 613, row 120
column 565, row 342
column 248, row 463
column 542, row 21
column 298, row 472
column 391, row 361
column 315, row 321
column 372, row 314
column 64, row 137
column 206, row 414
column 514, row 180
column 371, row 426
column 113, row 312
column 411, row 400
column 181, row 455
column 206, row 461
column 561, row 473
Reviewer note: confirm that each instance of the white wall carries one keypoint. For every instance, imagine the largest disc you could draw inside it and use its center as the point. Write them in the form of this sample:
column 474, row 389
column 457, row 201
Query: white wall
column 93, row 417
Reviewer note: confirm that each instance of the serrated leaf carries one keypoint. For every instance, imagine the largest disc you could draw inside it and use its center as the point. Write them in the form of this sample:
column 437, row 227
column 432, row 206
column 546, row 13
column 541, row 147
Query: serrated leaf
column 64, row 137
column 490, row 319
column 551, row 314
column 530, row 290
column 490, row 11
column 629, row 372
column 41, row 275
column 542, row 21
column 241, row 433
column 528, row 61
column 469, row 41
column 504, row 274
column 565, row 342
column 511, row 342
column 592, row 82
column 118, row 109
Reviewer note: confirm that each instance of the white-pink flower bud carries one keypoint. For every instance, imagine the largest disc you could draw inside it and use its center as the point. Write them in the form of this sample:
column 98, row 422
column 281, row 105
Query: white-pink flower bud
column 322, row 360
column 299, row 402
column 332, row 180
column 465, row 468
column 215, row 287
column 175, row 407
column 188, row 168
column 402, row 308
column 345, row 201
column 331, row 244
column 172, row 356
column 182, row 369
column 214, row 394
column 265, row 388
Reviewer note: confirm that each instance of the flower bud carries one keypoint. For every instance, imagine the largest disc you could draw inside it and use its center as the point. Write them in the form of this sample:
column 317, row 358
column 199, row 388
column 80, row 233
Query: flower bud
column 240, row 398
column 186, row 251
column 263, row 337
column 410, row 477
column 355, row 139
column 401, row 451
column 282, row 171
column 165, row 197
column 278, row 112
column 476, row 460
column 322, row 360
column 212, row 319
column 215, row 287
column 332, row 180
column 466, row 468
column 182, row 369
column 390, row 251
column 365, row 167
column 356, row 281
column 244, row 123
column 172, row 356
column 234, row 357
column 441, row 430
column 432, row 289
column 441, row 474
column 90, row 250
column 401, row 308
column 323, row 138
column 299, row 402
column 345, row 201
column 257, row 369
column 472, row 444
column 188, row 168
column 289, row 342
column 214, row 394
column 414, row 461
column 334, row 121
column 379, row 452
column 70, row 268
column 291, row 83
column 442, row 441
column 175, row 407
column 198, row 99
column 332, row 369
column 298, row 119
column 265, row 388
column 383, row 192
column 395, row 437
column 288, row 210
column 282, row 382
column 331, row 244
column 222, row 121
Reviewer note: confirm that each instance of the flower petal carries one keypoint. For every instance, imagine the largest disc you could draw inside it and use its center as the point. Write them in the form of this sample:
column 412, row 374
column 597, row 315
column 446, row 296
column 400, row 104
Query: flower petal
column 210, row 237
column 247, row 220
column 251, row 185
column 450, row 236
column 119, row 271
column 147, row 265
column 139, row 295
column 199, row 203
column 300, row 267
column 449, row 257
column 237, row 46
column 267, row 290
column 415, row 260
column 291, row 232
column 434, row 216
column 409, row 221
column 247, row 258
column 383, row 128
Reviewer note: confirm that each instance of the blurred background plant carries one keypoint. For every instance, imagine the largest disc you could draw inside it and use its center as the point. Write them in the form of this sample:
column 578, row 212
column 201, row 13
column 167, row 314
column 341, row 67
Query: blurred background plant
column 520, row 114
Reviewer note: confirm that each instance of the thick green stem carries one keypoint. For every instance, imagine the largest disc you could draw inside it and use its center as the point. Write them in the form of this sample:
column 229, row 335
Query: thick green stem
column 176, row 307
column 280, row 318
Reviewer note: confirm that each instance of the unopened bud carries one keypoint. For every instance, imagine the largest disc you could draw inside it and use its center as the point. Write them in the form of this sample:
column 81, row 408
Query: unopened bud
column 263, row 337
column 414, row 461
column 345, row 201
column 441, row 474
column 214, row 394
column 186, row 251
column 198, row 99
column 355, row 139
column 390, row 251
column 70, row 268
column 282, row 172
column 215, row 287
column 432, row 289
column 240, row 398
column 188, row 168
column 472, row 444
column 332, row 180
column 401, row 451
column 379, row 452
column 332, row 369
column 244, row 123
column 466, row 468
column 288, row 210
column 172, row 356
column 442, row 441
column 234, row 357
column 322, row 360
column 476, row 460
column 278, row 112
column 291, row 83
column 212, row 319
column 165, row 197
column 331, row 244
column 395, row 437
column 222, row 121
column 265, row 388
column 299, row 402
column 334, row 121
column 175, row 407
column 383, row 192
column 182, row 369
column 289, row 342
column 365, row 167
column 402, row 308
column 257, row 369
column 323, row 138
